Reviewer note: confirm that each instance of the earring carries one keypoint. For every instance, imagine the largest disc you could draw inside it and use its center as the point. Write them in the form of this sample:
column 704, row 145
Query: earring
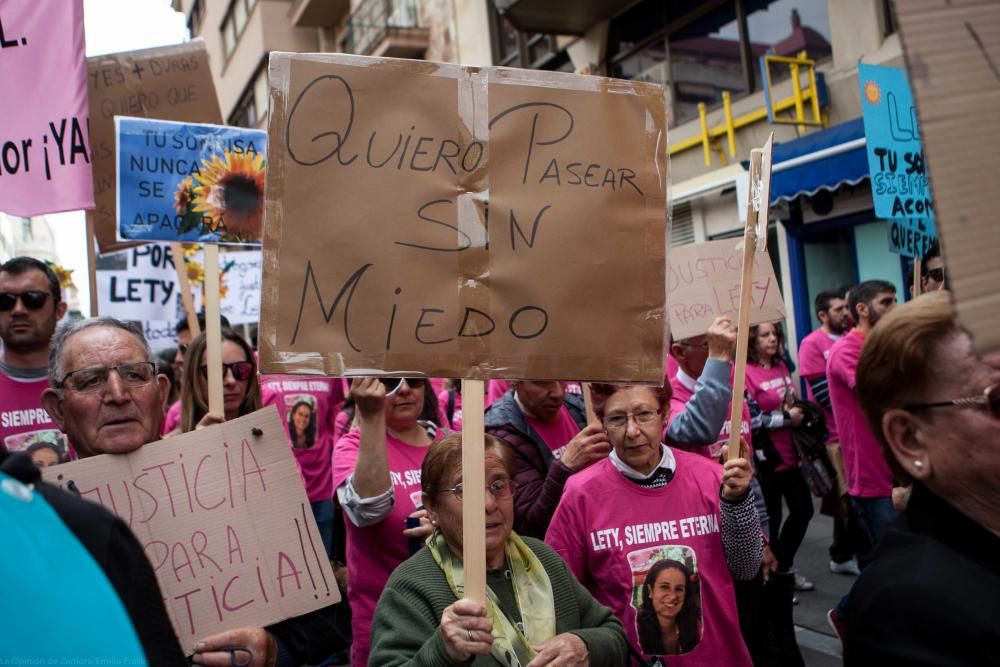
column 919, row 465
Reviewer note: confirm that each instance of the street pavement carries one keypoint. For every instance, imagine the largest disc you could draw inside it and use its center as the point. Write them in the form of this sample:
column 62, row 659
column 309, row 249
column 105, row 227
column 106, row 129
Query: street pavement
column 819, row 646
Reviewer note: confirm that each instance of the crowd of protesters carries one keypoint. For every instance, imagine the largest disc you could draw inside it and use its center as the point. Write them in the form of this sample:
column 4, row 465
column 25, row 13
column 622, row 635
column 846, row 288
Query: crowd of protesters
column 629, row 537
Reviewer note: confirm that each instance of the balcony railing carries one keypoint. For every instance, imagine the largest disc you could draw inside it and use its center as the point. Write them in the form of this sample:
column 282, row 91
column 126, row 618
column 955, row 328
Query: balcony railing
column 386, row 28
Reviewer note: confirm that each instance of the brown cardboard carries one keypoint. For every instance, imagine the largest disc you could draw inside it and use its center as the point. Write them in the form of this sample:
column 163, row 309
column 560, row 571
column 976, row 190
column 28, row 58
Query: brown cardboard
column 224, row 520
column 169, row 83
column 581, row 274
column 953, row 59
column 704, row 282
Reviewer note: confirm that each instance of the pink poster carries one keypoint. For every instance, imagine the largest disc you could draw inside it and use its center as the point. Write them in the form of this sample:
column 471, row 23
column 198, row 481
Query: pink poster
column 44, row 138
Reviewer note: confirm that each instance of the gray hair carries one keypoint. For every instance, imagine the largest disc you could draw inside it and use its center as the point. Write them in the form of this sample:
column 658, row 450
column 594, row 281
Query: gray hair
column 65, row 332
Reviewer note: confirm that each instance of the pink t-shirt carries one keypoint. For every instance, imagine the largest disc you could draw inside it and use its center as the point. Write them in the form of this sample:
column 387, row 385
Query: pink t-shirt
column 498, row 388
column 682, row 389
column 865, row 467
column 373, row 552
column 813, row 353
column 558, row 433
column 611, row 546
column 24, row 422
column 456, row 416
column 172, row 419
column 323, row 397
column 768, row 387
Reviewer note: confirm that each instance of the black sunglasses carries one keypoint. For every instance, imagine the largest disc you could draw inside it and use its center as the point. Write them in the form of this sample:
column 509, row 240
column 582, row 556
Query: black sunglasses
column 989, row 399
column 31, row 299
column 937, row 275
column 392, row 385
column 241, row 370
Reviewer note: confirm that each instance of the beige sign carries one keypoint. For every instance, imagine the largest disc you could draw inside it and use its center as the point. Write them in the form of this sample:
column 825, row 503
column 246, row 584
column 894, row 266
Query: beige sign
column 169, row 83
column 953, row 60
column 379, row 256
column 223, row 518
column 704, row 282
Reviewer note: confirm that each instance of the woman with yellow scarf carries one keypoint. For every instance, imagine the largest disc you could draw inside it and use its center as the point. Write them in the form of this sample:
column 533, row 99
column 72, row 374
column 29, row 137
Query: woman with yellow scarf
column 536, row 613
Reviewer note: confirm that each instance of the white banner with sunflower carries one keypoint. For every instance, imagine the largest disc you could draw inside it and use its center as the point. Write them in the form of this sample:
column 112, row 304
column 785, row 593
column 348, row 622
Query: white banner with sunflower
column 189, row 182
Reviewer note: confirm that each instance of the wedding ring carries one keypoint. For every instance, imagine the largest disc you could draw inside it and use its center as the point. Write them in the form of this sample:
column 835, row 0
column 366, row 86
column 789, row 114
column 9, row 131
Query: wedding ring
column 470, row 636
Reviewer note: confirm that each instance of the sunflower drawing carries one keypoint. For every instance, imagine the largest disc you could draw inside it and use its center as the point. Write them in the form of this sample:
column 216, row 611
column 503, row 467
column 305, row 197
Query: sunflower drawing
column 230, row 196
column 195, row 272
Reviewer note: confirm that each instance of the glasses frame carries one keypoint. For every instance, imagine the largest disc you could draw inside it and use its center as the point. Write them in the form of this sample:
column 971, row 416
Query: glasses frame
column 399, row 383
column 630, row 415
column 45, row 296
column 508, row 483
column 929, row 273
column 61, row 384
column 203, row 369
column 981, row 401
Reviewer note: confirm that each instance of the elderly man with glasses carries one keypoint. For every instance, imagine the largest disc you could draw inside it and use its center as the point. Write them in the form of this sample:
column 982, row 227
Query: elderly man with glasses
column 30, row 305
column 106, row 397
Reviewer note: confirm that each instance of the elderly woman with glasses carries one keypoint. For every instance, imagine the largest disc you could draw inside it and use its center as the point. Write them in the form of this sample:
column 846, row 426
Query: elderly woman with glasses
column 647, row 503
column 376, row 474
column 536, row 612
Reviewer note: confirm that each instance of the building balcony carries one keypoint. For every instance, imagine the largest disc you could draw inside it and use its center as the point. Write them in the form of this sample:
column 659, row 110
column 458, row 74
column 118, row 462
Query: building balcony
column 390, row 28
column 317, row 13
column 554, row 18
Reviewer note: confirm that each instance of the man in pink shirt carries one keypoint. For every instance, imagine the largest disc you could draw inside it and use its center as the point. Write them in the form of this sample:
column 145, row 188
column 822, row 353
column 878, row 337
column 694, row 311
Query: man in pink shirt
column 869, row 480
column 30, row 306
column 835, row 320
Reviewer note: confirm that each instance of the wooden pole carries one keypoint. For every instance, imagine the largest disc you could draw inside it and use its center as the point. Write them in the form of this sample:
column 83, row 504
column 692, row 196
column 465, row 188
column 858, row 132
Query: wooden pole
column 588, row 404
column 182, row 281
column 92, row 266
column 917, row 270
column 213, row 331
column 473, row 490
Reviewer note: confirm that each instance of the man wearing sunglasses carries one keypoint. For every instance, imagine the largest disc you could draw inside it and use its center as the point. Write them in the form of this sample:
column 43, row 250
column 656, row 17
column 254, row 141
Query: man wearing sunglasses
column 30, row 305
column 106, row 396
column 932, row 595
column 932, row 276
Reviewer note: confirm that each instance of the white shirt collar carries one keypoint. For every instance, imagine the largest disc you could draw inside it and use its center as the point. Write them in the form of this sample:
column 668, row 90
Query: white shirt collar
column 686, row 380
column 666, row 461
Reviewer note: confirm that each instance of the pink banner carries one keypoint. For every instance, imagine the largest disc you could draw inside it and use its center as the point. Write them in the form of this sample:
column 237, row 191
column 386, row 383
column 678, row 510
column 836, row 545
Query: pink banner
column 44, row 137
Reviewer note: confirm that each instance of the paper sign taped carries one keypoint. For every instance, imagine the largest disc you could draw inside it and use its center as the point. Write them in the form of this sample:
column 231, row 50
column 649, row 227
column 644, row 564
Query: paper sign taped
column 139, row 284
column 953, row 58
column 379, row 256
column 704, row 283
column 912, row 238
column 224, row 520
column 172, row 83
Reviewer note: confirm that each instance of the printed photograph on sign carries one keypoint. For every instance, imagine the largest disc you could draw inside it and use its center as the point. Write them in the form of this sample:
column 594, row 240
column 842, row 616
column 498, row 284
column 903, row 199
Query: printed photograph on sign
column 46, row 447
column 189, row 182
column 666, row 594
column 301, row 411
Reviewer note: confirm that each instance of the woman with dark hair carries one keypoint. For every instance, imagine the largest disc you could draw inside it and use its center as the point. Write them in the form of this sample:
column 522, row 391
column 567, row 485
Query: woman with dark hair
column 647, row 500
column 536, row 612
column 44, row 454
column 240, row 386
column 669, row 620
column 302, row 424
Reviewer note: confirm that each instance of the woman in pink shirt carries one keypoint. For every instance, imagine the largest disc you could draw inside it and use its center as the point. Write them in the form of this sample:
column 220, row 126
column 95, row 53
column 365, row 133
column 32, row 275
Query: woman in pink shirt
column 658, row 534
column 769, row 383
column 376, row 474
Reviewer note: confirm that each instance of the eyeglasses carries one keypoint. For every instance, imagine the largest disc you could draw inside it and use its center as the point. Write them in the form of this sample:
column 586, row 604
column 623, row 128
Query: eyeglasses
column 31, row 299
column 937, row 275
column 392, row 385
column 701, row 346
column 990, row 400
column 241, row 370
column 501, row 488
column 618, row 422
column 89, row 380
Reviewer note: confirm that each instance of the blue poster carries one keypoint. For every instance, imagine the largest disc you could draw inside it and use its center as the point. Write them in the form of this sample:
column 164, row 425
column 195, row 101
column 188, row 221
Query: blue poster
column 189, row 182
column 912, row 237
column 900, row 186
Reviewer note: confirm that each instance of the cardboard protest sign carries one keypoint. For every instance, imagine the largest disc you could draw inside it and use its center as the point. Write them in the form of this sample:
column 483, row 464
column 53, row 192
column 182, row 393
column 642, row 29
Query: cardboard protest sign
column 173, row 83
column 900, row 188
column 379, row 257
column 953, row 57
column 704, row 282
column 912, row 238
column 45, row 160
column 139, row 284
column 189, row 181
column 224, row 520
column 242, row 278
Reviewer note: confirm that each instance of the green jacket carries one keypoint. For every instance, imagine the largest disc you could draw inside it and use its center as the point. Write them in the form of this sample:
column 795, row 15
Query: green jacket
column 405, row 629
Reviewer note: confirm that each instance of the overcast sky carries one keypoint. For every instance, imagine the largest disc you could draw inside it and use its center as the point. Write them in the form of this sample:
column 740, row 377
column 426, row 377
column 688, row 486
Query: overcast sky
column 112, row 26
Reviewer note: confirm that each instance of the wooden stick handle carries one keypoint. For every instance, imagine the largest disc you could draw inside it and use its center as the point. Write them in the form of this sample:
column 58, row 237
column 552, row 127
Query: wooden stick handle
column 182, row 281
column 92, row 267
column 213, row 331
column 917, row 275
column 473, row 490
column 588, row 403
column 742, row 342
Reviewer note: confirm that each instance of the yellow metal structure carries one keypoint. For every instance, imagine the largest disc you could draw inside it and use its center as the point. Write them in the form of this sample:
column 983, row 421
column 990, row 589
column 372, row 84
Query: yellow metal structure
column 710, row 136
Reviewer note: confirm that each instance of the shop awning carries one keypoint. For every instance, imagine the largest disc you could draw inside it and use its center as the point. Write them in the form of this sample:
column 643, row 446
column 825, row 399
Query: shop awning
column 823, row 160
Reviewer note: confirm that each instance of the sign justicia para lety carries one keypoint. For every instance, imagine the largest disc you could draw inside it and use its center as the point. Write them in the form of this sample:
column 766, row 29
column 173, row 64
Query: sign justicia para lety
column 900, row 185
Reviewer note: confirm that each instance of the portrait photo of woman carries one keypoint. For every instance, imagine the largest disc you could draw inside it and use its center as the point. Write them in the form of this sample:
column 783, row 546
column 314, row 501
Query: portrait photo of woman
column 302, row 423
column 669, row 620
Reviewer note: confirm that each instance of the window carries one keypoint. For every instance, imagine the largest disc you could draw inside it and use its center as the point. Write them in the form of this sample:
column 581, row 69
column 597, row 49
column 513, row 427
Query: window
column 195, row 18
column 513, row 48
column 26, row 233
column 233, row 24
column 253, row 105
